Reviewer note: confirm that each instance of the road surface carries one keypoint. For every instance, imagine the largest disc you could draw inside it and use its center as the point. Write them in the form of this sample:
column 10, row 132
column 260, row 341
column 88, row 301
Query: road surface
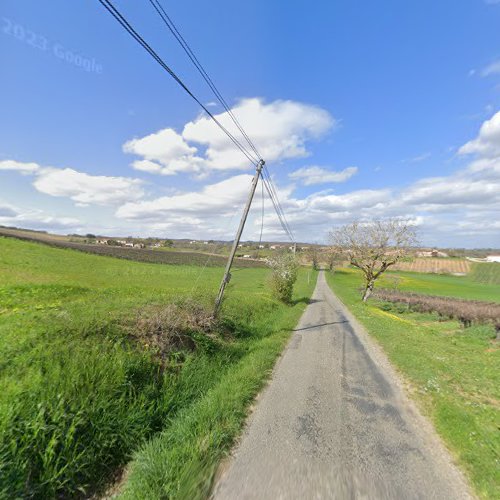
column 334, row 423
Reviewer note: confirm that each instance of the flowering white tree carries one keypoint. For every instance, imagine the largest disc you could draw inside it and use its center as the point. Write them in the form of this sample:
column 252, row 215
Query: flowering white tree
column 284, row 267
column 374, row 246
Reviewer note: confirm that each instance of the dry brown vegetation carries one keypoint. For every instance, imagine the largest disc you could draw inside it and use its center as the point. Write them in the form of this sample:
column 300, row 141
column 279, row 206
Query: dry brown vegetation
column 172, row 327
column 468, row 312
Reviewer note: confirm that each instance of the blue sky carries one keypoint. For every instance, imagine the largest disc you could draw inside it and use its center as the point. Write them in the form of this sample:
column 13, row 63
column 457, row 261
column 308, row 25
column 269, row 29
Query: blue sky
column 362, row 109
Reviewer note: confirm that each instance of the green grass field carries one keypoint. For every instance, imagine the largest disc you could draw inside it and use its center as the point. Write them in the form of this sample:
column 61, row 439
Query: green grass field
column 452, row 372
column 486, row 272
column 80, row 398
column 464, row 287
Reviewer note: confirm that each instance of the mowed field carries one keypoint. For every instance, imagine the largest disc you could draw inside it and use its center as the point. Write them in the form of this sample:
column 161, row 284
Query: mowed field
column 82, row 396
column 452, row 372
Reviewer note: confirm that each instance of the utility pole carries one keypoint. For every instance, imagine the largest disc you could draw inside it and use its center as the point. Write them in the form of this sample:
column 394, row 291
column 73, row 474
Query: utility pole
column 227, row 273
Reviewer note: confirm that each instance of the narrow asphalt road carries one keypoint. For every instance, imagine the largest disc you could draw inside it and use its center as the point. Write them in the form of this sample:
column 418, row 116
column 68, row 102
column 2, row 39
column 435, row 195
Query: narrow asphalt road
column 334, row 423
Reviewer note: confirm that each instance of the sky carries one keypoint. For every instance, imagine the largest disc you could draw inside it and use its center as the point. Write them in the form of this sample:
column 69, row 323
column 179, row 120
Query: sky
column 361, row 109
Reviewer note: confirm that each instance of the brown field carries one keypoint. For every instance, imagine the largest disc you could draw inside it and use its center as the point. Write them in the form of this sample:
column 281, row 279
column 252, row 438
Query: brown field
column 137, row 254
column 434, row 265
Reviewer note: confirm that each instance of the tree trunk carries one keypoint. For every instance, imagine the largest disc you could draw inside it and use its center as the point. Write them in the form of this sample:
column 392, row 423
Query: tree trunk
column 368, row 290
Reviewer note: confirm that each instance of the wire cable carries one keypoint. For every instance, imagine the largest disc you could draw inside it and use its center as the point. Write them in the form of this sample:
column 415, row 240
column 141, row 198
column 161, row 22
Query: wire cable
column 178, row 36
column 269, row 184
column 277, row 207
column 107, row 4
column 266, row 178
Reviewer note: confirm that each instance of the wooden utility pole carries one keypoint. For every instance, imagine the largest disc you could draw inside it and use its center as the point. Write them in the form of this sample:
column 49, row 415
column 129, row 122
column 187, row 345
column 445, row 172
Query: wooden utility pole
column 227, row 273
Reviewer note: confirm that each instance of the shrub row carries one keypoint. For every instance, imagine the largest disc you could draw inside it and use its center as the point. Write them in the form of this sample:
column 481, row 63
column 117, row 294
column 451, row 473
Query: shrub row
column 466, row 311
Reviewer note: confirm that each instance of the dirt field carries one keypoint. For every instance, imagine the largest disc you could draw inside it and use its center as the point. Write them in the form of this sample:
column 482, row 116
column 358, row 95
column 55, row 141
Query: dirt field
column 137, row 254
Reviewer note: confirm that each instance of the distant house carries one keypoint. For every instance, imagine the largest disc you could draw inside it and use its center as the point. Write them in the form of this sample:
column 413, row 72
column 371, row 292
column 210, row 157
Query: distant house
column 275, row 247
column 139, row 245
column 493, row 258
column 101, row 242
column 431, row 253
column 262, row 246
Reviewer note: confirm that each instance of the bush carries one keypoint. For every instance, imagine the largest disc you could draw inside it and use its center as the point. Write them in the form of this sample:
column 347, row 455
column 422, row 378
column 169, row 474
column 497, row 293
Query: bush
column 173, row 327
column 285, row 267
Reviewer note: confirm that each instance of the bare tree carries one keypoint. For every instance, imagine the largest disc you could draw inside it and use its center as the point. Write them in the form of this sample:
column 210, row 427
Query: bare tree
column 313, row 255
column 333, row 258
column 374, row 246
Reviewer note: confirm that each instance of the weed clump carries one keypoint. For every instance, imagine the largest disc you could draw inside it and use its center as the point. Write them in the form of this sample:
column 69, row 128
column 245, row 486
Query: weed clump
column 173, row 327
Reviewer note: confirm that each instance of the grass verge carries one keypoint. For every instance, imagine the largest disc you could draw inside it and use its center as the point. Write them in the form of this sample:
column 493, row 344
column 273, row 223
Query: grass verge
column 181, row 461
column 453, row 372
column 80, row 395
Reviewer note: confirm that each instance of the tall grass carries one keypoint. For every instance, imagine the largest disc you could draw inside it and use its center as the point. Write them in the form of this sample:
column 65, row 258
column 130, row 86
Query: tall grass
column 181, row 461
column 81, row 394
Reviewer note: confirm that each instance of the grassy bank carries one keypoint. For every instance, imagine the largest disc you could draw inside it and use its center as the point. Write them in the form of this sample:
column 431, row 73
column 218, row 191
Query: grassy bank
column 453, row 372
column 440, row 284
column 80, row 397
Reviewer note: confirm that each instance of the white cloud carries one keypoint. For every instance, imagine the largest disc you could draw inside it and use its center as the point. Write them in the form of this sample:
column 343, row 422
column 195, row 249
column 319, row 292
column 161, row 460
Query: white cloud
column 87, row 189
column 34, row 219
column 7, row 211
column 418, row 159
column 164, row 152
column 82, row 188
column 280, row 130
column 222, row 198
column 487, row 144
column 20, row 167
column 318, row 175
column 458, row 209
column 491, row 69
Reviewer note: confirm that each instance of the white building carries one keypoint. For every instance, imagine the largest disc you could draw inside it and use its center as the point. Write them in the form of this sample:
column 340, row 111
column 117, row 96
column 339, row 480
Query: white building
column 493, row 258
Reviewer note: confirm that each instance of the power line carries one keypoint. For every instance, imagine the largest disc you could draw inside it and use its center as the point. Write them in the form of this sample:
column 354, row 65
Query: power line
column 268, row 183
column 277, row 205
column 107, row 4
column 183, row 43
